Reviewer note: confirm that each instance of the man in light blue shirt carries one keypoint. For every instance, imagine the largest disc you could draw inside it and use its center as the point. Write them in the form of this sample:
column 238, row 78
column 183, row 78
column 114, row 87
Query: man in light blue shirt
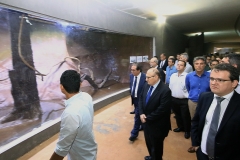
column 76, row 138
column 170, row 69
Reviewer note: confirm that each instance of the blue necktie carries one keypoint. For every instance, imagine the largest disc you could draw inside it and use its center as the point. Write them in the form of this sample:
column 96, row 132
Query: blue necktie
column 149, row 94
column 134, row 87
column 213, row 128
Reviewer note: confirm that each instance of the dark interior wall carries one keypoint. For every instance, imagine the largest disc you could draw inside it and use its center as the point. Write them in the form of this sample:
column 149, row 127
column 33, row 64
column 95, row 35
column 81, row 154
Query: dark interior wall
column 173, row 41
column 93, row 14
column 196, row 46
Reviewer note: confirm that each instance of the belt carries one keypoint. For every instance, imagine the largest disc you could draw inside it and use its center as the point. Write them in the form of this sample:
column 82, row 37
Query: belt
column 211, row 158
column 181, row 98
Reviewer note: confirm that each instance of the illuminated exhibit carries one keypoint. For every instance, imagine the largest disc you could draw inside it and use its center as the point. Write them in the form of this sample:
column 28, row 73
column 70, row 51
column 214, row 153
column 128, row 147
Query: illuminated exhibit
column 34, row 51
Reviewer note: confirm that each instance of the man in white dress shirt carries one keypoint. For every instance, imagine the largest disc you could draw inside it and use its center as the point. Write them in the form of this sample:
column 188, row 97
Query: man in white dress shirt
column 180, row 99
column 76, row 138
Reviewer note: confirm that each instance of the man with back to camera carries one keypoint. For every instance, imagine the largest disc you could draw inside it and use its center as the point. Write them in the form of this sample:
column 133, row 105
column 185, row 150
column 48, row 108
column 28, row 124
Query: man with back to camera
column 76, row 138
column 184, row 57
column 154, row 64
column 155, row 110
column 216, row 124
column 137, row 80
column 180, row 99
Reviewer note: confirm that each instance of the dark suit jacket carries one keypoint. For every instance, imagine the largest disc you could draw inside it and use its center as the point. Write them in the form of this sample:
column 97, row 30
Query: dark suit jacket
column 164, row 65
column 158, row 109
column 162, row 74
column 140, row 85
column 227, row 141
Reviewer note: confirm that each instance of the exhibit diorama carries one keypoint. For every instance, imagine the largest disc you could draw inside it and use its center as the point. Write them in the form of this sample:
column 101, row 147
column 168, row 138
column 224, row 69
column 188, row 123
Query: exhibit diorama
column 36, row 50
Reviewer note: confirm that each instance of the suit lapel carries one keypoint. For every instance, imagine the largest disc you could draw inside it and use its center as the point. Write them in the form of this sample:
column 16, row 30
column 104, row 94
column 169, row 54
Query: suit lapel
column 141, row 80
column 232, row 105
column 154, row 93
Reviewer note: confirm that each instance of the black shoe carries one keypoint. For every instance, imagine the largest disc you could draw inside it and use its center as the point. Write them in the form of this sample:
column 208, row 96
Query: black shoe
column 148, row 158
column 132, row 112
column 177, row 130
column 140, row 129
column 187, row 135
column 132, row 138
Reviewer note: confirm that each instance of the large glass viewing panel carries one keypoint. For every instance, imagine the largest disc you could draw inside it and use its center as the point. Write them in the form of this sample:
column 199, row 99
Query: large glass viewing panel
column 34, row 51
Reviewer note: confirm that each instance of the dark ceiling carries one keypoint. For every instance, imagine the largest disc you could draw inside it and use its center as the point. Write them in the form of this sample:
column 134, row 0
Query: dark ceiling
column 218, row 19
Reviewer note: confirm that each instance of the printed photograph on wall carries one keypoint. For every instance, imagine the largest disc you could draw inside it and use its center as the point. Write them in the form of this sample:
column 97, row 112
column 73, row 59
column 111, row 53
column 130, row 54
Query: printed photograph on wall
column 35, row 51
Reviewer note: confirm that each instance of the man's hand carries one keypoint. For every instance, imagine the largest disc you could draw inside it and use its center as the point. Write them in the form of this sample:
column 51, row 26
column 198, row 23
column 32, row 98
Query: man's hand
column 143, row 118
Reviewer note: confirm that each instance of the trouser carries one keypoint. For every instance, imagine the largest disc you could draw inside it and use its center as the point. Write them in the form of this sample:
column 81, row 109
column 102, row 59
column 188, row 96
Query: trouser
column 154, row 142
column 192, row 107
column 137, row 121
column 180, row 108
column 201, row 155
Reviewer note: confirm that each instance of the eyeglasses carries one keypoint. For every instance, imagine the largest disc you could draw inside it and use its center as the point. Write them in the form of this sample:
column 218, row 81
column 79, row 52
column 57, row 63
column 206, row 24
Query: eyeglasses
column 149, row 77
column 218, row 80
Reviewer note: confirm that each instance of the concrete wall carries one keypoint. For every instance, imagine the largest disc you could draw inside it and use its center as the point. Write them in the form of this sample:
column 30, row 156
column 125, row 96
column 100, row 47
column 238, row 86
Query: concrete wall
column 91, row 13
column 173, row 41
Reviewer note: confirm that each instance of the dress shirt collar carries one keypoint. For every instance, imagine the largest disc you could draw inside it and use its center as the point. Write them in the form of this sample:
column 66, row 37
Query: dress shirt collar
column 204, row 73
column 227, row 97
column 138, row 76
column 155, row 85
column 68, row 101
column 182, row 74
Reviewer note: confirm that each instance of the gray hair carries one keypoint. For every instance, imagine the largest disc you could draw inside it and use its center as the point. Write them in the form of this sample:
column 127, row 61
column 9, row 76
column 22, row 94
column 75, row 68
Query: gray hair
column 185, row 55
column 155, row 60
column 234, row 59
column 199, row 58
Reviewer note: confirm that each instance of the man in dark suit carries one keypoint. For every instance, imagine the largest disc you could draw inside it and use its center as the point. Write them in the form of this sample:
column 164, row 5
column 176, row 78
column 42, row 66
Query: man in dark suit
column 155, row 110
column 137, row 80
column 216, row 124
column 164, row 62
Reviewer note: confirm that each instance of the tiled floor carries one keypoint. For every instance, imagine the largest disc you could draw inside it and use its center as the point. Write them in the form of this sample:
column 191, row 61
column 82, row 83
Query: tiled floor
column 112, row 126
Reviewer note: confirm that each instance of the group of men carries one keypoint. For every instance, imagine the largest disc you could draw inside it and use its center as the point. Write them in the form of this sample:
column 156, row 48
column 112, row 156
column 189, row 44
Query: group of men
column 205, row 104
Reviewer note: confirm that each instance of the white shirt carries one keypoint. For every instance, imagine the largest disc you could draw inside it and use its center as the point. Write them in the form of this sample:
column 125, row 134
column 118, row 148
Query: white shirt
column 188, row 68
column 162, row 63
column 76, row 138
column 209, row 116
column 175, row 64
column 154, row 86
column 177, row 85
column 138, row 80
column 238, row 87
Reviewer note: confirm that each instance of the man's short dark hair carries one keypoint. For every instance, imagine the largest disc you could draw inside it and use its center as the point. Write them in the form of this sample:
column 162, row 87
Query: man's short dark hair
column 70, row 79
column 234, row 59
column 183, row 62
column 138, row 67
column 214, row 61
column 163, row 54
column 234, row 75
column 172, row 59
column 199, row 58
